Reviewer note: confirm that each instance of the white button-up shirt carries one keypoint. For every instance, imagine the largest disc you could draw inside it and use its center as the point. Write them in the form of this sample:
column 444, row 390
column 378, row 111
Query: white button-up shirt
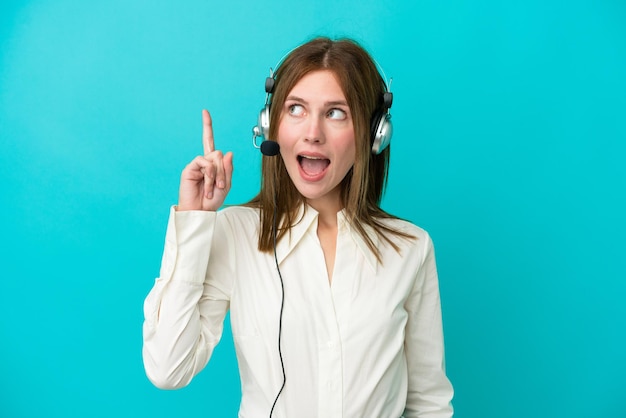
column 368, row 344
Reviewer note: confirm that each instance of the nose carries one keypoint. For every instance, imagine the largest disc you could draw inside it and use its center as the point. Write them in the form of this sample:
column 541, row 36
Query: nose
column 315, row 129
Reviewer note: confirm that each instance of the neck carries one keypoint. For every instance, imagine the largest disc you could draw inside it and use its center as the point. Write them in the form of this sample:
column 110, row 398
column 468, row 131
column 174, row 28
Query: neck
column 327, row 229
column 327, row 208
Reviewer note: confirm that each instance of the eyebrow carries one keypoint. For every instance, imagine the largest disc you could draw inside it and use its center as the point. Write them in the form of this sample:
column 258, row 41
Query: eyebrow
column 331, row 103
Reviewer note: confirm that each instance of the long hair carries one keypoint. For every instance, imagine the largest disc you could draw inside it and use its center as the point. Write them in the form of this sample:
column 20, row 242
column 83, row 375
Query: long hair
column 363, row 187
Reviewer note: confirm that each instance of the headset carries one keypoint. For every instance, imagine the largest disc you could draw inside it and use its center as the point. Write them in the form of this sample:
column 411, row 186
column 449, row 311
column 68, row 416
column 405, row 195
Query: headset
column 381, row 127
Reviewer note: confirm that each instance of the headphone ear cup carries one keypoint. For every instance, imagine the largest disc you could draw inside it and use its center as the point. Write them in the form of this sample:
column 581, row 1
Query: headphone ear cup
column 381, row 131
column 264, row 122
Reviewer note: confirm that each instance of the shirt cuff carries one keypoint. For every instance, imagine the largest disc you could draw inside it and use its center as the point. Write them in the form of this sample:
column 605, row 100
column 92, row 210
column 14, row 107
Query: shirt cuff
column 187, row 245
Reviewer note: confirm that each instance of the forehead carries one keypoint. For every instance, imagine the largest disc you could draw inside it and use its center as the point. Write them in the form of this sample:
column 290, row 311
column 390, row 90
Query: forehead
column 320, row 85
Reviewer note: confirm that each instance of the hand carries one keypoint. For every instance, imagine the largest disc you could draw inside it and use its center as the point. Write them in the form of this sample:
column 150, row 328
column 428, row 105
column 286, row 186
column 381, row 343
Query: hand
column 206, row 180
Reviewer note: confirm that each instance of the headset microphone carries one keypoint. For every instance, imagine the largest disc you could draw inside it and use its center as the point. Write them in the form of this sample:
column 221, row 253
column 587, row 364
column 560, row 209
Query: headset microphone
column 270, row 148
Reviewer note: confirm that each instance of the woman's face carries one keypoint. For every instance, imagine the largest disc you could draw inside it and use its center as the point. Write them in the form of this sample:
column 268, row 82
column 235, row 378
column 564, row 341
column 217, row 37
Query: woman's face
column 316, row 138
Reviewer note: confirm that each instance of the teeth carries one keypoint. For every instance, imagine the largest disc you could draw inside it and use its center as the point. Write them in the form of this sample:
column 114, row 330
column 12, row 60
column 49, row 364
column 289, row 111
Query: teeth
column 312, row 158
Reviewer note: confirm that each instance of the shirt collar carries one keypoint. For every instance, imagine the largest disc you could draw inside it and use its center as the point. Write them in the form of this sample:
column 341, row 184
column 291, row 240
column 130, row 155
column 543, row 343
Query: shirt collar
column 306, row 221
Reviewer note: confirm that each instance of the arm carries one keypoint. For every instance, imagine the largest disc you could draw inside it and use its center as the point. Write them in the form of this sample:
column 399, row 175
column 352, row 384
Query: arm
column 184, row 314
column 184, row 311
column 429, row 391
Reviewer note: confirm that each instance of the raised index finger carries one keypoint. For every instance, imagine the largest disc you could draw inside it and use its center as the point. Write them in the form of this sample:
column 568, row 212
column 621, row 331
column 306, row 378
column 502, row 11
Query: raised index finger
column 207, row 132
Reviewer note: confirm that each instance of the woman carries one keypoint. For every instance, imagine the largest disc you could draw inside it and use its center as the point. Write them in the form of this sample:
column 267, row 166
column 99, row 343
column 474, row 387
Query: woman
column 334, row 304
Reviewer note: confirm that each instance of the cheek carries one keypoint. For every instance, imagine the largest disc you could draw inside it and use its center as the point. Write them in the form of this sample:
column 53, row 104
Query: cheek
column 284, row 134
column 348, row 146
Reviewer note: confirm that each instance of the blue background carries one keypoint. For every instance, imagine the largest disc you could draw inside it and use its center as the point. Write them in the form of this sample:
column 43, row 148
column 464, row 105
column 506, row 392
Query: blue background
column 509, row 149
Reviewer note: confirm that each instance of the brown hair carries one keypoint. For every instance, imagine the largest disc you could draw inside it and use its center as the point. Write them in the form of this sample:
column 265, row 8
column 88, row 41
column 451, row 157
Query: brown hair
column 363, row 186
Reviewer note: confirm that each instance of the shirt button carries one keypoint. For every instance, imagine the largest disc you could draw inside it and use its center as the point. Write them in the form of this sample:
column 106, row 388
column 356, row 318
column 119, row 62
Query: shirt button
column 330, row 344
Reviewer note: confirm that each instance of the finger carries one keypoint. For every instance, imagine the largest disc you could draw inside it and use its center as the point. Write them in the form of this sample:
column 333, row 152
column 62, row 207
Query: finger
column 218, row 159
column 202, row 171
column 190, row 173
column 228, row 169
column 209, row 178
column 195, row 169
column 208, row 187
column 207, row 132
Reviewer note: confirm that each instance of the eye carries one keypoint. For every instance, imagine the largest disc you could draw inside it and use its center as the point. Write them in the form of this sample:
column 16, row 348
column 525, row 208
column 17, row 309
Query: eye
column 296, row 109
column 337, row 114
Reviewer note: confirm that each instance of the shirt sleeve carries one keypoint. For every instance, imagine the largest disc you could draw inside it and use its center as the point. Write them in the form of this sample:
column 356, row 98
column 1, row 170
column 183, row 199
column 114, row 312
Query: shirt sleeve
column 184, row 312
column 429, row 390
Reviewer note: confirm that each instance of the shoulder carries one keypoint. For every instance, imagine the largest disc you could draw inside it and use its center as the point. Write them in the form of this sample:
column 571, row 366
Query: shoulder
column 239, row 215
column 410, row 238
column 406, row 227
column 239, row 224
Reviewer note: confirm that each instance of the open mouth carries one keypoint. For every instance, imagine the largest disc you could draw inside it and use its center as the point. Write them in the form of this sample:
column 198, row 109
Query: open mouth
column 313, row 166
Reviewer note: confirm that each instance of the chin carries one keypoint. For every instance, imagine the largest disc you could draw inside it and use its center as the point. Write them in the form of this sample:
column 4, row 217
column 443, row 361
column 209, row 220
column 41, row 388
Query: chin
column 331, row 197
